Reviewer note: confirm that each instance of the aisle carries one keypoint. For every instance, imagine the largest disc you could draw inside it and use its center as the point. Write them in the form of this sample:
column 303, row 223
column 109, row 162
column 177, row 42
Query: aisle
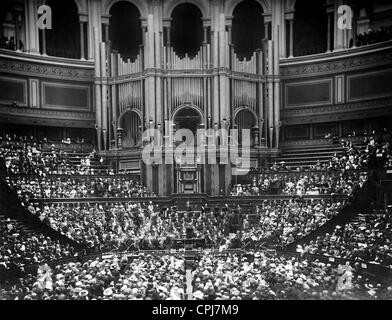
column 189, row 288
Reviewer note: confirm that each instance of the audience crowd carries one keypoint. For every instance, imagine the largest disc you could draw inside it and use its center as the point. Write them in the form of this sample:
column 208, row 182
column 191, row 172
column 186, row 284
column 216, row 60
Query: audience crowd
column 384, row 33
column 131, row 227
column 268, row 276
column 136, row 277
column 19, row 247
column 369, row 239
column 310, row 183
column 9, row 43
column 127, row 226
column 375, row 151
column 25, row 155
column 30, row 188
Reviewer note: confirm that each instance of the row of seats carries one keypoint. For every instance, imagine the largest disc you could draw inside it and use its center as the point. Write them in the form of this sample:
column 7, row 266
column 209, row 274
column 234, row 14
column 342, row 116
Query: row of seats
column 126, row 226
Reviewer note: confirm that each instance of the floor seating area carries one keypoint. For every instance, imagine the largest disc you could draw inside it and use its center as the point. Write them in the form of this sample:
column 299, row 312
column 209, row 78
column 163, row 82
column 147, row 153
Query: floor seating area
column 145, row 250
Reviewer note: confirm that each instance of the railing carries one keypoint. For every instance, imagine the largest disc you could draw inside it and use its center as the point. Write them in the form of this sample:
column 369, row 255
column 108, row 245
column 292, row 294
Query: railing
column 69, row 54
column 194, row 198
column 309, row 51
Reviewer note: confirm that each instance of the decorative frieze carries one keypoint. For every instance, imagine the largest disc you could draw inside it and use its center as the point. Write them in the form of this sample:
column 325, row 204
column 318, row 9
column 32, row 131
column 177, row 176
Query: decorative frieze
column 47, row 71
column 364, row 61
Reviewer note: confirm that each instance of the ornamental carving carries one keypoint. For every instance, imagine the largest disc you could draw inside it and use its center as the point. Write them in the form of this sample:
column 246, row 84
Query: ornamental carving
column 50, row 71
column 371, row 104
column 9, row 111
column 345, row 64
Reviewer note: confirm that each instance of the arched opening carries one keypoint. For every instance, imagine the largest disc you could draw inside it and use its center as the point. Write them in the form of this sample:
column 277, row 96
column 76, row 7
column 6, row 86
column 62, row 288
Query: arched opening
column 310, row 27
column 186, row 30
column 131, row 124
column 125, row 29
column 244, row 119
column 187, row 118
column 248, row 28
column 7, row 25
column 63, row 40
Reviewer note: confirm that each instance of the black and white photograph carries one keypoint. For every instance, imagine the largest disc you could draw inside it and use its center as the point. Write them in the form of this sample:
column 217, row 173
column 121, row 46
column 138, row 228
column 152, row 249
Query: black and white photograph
column 208, row 151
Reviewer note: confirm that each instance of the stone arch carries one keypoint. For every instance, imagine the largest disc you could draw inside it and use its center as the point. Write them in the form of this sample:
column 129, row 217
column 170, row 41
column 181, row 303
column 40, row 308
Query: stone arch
column 245, row 108
column 246, row 111
column 170, row 6
column 127, row 110
column 132, row 133
column 81, row 5
column 290, row 5
column 139, row 4
column 231, row 5
column 192, row 106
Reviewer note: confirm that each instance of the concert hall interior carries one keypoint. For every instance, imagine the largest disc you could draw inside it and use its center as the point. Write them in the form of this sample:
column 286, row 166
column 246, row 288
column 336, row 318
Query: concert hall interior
column 195, row 149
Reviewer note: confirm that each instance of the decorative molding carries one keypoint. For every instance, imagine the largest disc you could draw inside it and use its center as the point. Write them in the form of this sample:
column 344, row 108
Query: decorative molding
column 44, row 113
column 87, row 88
column 17, row 80
column 337, row 66
column 339, row 89
column 298, row 84
column 34, row 93
column 360, row 110
column 363, row 105
column 47, row 71
column 363, row 75
column 305, row 142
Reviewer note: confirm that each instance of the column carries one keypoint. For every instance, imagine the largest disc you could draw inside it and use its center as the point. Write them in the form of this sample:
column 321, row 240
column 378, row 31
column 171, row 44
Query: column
column 329, row 32
column 260, row 97
column 98, row 99
column 104, row 95
column 224, row 99
column 339, row 35
column 82, row 51
column 266, row 30
column 114, row 72
column 276, row 85
column 291, row 55
column 354, row 26
column 43, row 35
column 94, row 21
column 270, row 94
column 106, row 32
column 32, row 35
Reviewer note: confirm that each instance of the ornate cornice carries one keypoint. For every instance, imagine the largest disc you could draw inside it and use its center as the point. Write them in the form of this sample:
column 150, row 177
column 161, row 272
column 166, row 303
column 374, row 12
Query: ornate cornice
column 349, row 111
column 337, row 66
column 46, row 71
column 338, row 108
column 9, row 111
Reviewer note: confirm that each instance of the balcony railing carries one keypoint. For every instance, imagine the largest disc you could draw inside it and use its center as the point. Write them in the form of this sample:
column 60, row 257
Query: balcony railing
column 70, row 54
column 309, row 51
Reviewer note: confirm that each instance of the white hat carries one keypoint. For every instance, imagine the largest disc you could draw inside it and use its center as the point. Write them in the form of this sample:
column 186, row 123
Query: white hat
column 108, row 292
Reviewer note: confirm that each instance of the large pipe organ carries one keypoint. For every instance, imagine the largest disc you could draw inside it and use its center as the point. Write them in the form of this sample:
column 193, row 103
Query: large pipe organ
column 217, row 91
column 215, row 82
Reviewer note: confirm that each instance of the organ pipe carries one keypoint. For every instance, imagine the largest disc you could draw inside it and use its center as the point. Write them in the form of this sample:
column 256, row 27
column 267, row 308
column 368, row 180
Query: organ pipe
column 98, row 101
column 104, row 94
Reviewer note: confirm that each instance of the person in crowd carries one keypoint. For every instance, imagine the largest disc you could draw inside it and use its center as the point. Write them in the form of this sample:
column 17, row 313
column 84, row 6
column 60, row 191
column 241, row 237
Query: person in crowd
column 137, row 277
column 270, row 276
column 369, row 239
